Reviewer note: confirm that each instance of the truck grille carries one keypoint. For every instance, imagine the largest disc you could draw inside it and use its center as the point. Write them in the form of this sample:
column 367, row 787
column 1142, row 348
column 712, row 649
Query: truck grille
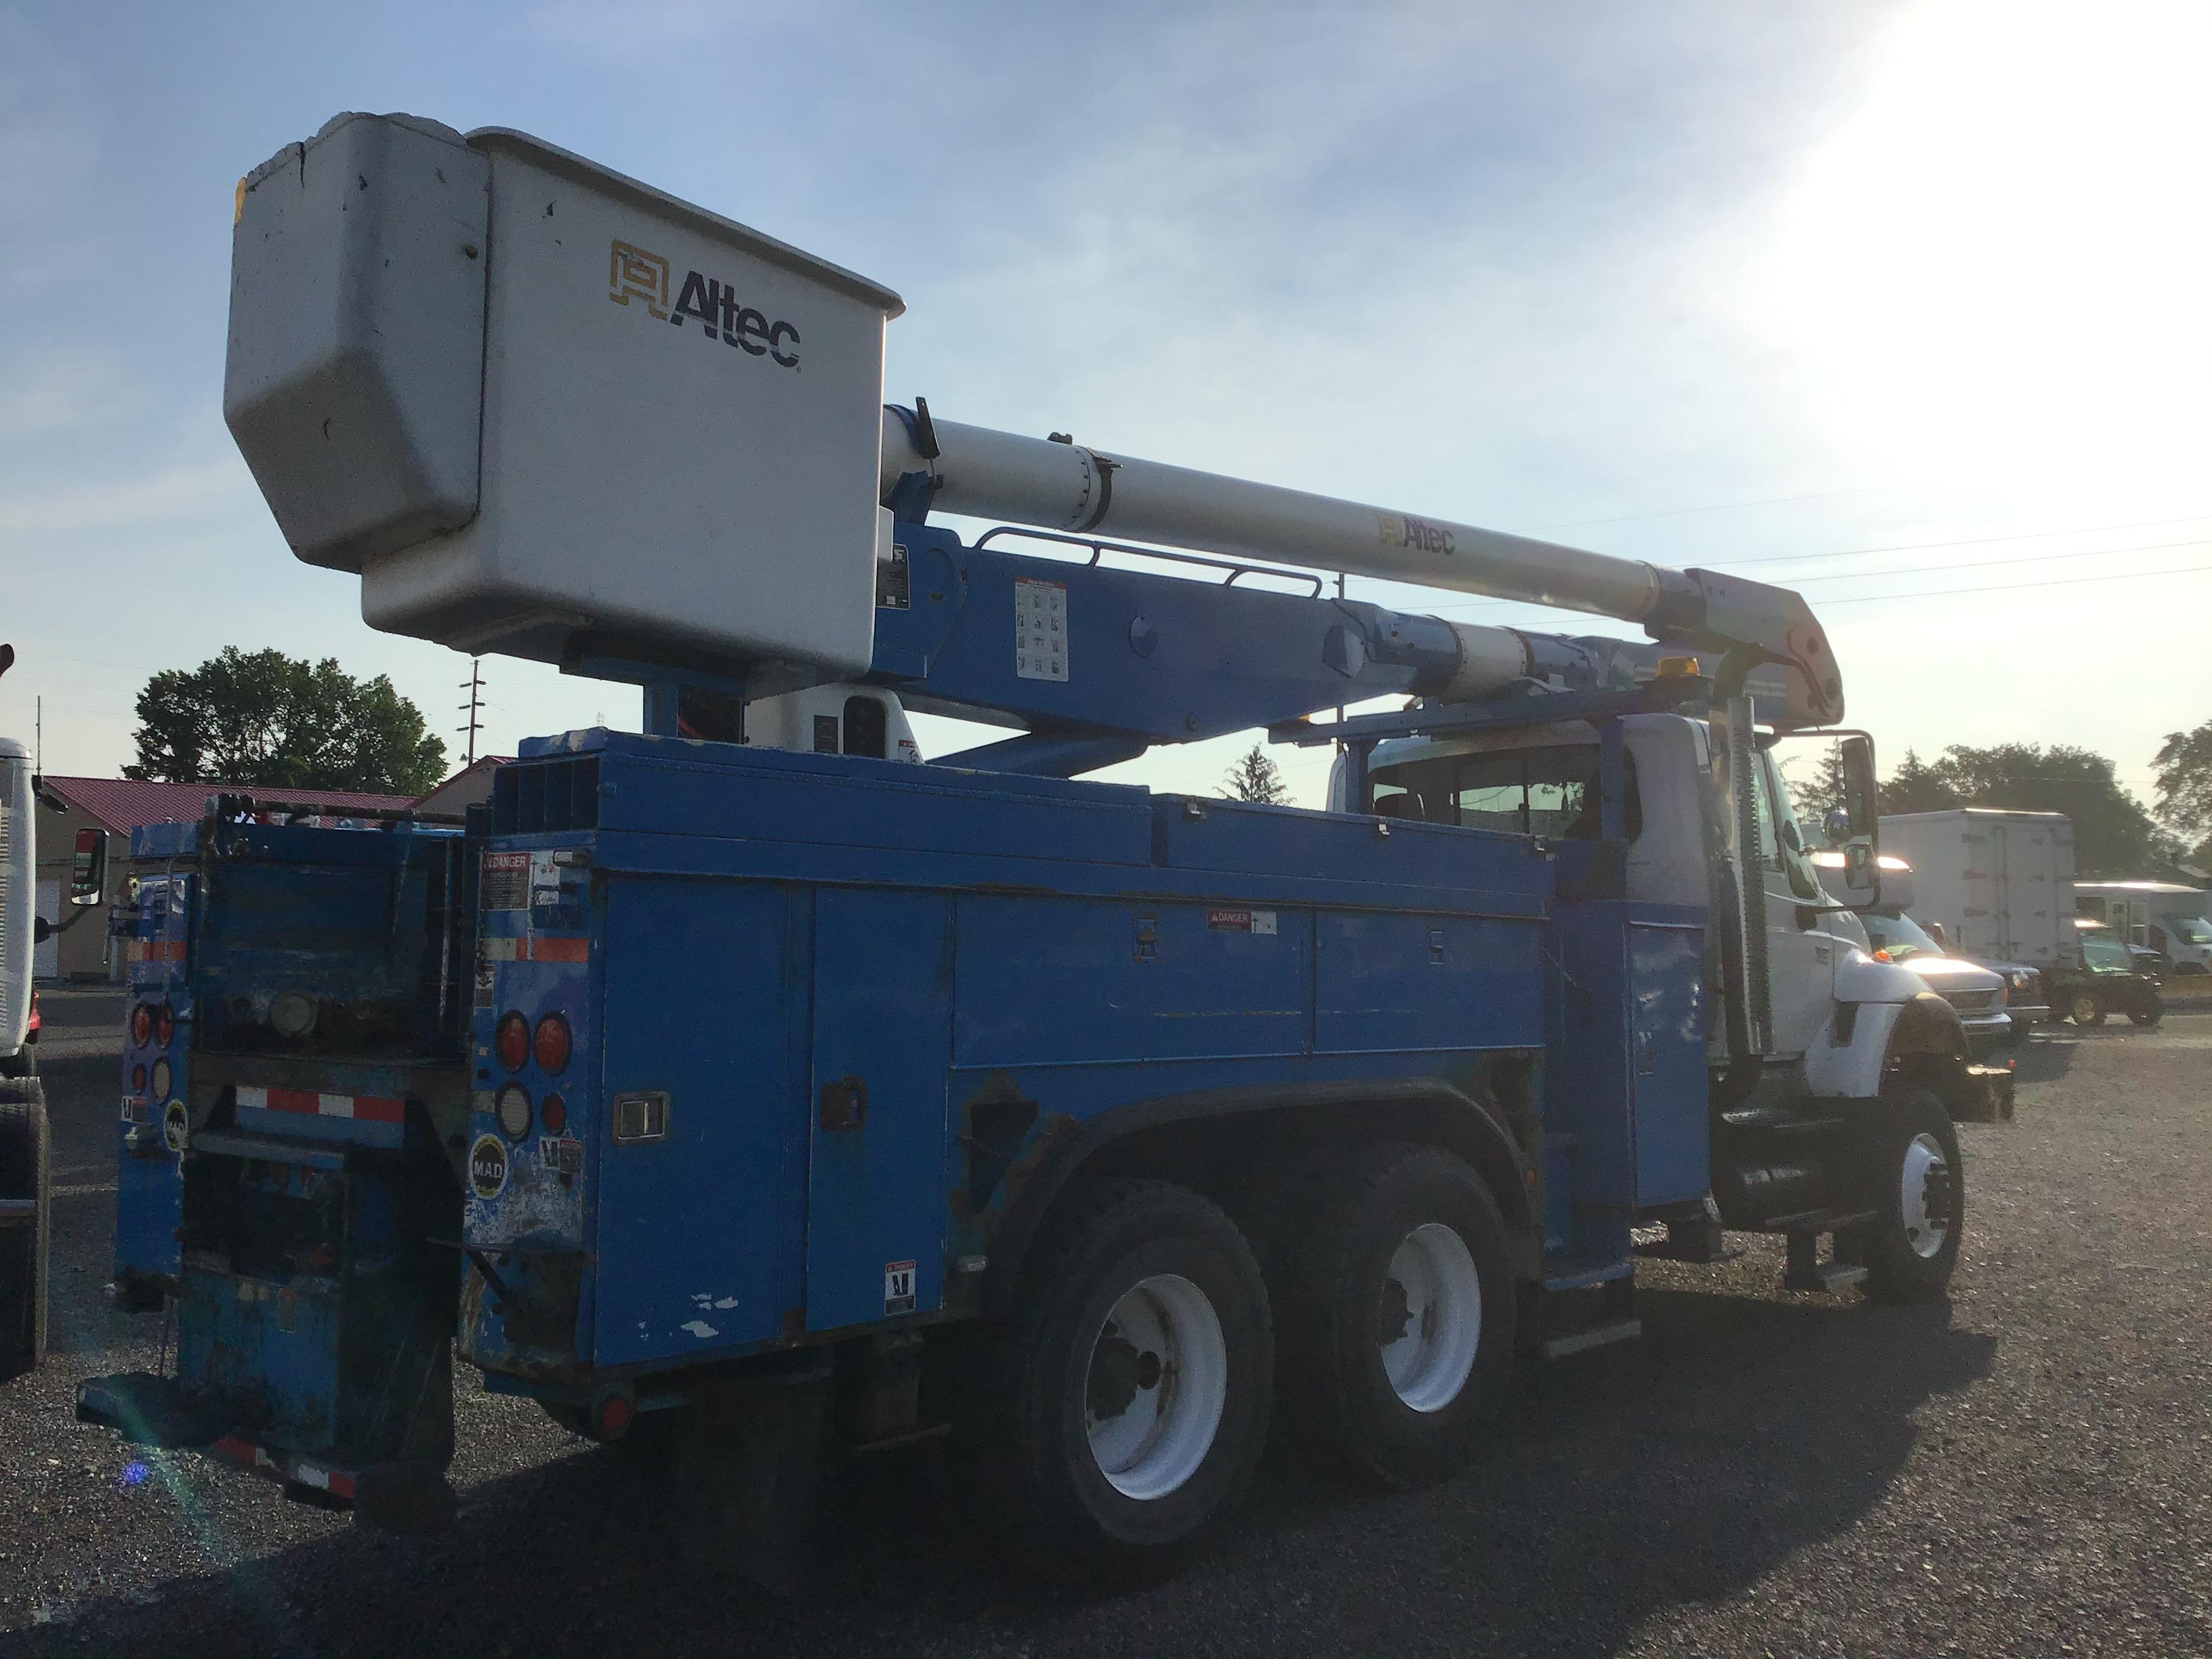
column 1974, row 1002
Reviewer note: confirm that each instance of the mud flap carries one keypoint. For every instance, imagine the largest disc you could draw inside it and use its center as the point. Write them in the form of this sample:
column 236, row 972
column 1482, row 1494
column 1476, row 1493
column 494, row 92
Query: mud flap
column 749, row 1475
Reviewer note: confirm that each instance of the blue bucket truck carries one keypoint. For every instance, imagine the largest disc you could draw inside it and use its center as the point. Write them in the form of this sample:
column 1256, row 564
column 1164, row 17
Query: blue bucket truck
column 745, row 1090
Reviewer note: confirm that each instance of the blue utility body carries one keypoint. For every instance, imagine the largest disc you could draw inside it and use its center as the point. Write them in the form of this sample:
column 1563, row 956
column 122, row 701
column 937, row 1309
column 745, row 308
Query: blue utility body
column 875, row 1000
column 800, row 1048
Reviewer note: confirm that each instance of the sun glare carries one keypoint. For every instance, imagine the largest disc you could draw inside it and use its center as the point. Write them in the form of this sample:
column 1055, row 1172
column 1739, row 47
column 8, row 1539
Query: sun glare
column 1998, row 265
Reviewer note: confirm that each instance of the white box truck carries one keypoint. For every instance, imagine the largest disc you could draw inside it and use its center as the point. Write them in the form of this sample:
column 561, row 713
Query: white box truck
column 2163, row 916
column 2002, row 883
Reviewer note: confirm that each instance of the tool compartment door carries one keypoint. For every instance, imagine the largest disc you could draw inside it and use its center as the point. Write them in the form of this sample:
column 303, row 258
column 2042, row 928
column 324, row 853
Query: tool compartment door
column 698, row 1228
column 876, row 1211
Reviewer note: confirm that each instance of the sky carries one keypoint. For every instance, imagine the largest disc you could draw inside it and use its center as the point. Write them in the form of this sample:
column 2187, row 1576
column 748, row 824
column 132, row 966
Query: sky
column 1902, row 304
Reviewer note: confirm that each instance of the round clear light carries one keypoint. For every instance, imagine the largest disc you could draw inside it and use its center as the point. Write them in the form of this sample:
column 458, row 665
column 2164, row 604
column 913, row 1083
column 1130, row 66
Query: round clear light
column 292, row 1013
column 160, row 1079
column 513, row 1110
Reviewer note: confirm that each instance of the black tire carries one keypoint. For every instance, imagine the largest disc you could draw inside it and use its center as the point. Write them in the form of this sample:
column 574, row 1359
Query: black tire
column 1900, row 1268
column 2149, row 1015
column 25, row 1173
column 1035, row 1376
column 1336, row 1295
column 2085, row 1007
column 24, row 1062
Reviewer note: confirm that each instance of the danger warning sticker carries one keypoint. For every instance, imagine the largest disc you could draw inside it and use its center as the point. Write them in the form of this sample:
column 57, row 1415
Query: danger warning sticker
column 898, row 1287
column 506, row 881
column 1241, row 921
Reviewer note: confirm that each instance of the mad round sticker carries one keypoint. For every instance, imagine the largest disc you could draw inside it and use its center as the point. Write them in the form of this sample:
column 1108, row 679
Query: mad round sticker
column 176, row 1126
column 488, row 1166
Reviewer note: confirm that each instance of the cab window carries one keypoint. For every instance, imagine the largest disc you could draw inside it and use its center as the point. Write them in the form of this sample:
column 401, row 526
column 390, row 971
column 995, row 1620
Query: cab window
column 1523, row 792
column 1781, row 850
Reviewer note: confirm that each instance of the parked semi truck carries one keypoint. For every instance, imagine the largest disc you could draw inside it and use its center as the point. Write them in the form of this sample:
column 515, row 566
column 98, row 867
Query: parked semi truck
column 747, row 1098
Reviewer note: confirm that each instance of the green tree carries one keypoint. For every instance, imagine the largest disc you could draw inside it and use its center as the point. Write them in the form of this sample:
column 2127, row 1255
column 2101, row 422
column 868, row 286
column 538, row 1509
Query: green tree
column 1256, row 777
column 2185, row 790
column 1829, row 788
column 270, row 721
column 2113, row 835
column 1916, row 787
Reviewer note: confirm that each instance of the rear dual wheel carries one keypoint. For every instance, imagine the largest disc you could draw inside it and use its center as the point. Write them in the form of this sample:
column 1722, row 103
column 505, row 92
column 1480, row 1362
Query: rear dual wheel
column 1117, row 1415
column 1396, row 1307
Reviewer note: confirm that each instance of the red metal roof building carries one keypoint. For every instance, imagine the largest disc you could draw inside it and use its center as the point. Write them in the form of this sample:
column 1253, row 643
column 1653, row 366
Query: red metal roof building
column 120, row 805
column 124, row 804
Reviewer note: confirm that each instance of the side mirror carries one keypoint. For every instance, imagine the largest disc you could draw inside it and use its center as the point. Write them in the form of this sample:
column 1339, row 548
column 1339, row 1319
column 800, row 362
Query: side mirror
column 1861, row 821
column 88, row 873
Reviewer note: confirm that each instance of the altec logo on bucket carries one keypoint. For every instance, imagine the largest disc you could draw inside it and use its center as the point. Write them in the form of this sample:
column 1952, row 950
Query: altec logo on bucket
column 634, row 274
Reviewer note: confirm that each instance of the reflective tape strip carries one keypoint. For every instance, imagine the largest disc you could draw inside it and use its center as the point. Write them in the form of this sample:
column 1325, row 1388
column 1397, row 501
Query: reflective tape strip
column 260, row 1460
column 537, row 948
column 366, row 1108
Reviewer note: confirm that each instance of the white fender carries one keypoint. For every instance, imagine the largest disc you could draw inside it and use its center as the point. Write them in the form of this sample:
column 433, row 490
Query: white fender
column 1878, row 991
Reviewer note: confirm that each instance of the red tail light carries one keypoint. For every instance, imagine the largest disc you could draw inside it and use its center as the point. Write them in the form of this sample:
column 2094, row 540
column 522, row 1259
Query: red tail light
column 511, row 1042
column 165, row 1025
column 551, row 1045
column 142, row 1024
column 137, row 1079
column 553, row 1113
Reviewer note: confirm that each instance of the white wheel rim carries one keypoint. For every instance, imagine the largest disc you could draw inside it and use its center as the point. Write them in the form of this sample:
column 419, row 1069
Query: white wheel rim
column 1158, row 1382
column 1924, row 1230
column 1429, row 1323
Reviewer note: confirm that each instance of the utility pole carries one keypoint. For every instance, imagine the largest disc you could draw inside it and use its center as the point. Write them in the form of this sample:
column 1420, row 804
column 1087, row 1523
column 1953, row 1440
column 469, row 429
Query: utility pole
column 474, row 686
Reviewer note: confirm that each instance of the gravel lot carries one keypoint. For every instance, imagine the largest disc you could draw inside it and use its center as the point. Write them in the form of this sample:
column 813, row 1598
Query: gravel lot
column 2022, row 1471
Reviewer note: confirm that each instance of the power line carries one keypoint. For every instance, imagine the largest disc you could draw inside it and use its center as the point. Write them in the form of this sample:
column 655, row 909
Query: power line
column 1725, row 507
column 1973, row 541
column 2007, row 587
column 1998, row 564
column 1861, row 576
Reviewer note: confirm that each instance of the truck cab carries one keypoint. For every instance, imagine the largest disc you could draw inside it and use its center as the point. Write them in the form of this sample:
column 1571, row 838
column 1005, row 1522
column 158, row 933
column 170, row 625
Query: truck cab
column 1543, row 780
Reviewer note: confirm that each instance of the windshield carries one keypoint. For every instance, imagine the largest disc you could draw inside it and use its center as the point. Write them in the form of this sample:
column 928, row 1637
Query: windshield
column 2194, row 929
column 2107, row 956
column 1523, row 792
column 1898, row 935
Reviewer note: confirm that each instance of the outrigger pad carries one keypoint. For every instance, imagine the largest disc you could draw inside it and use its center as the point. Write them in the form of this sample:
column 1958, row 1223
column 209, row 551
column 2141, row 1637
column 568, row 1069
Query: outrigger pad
column 1988, row 1094
column 153, row 1411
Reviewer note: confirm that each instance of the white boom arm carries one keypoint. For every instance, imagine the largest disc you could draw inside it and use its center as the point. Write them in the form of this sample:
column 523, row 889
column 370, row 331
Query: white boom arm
column 1063, row 486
